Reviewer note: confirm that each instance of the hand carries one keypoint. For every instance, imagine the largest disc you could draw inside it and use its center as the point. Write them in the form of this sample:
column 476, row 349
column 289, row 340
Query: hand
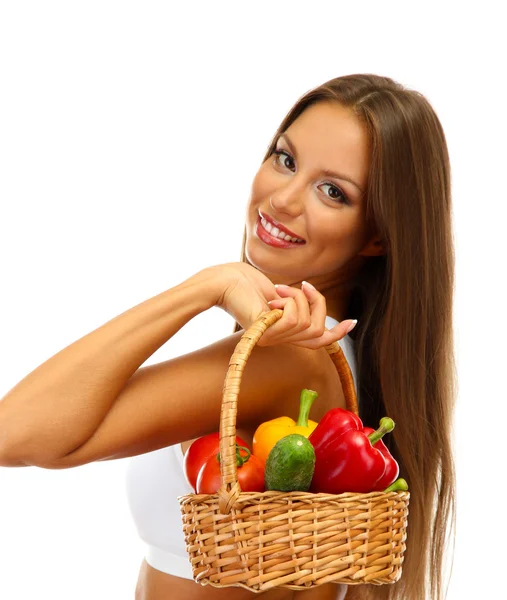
column 241, row 290
column 304, row 319
column 245, row 293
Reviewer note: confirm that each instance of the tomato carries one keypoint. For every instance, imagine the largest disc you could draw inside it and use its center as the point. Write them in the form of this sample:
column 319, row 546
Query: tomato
column 199, row 452
column 250, row 475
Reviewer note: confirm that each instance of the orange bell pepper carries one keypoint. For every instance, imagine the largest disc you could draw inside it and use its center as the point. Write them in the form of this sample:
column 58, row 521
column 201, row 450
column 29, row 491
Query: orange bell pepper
column 268, row 433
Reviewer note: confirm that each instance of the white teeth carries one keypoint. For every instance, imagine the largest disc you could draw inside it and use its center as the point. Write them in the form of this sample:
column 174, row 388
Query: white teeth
column 275, row 232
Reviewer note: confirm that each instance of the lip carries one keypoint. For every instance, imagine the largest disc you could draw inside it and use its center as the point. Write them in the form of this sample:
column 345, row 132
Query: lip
column 281, row 227
column 267, row 238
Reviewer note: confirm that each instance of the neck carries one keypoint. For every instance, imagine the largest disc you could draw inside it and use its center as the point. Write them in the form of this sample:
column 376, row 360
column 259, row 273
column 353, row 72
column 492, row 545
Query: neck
column 336, row 289
column 336, row 303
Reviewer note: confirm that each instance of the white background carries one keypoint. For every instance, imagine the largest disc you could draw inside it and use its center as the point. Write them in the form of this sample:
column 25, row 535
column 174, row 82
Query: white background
column 129, row 135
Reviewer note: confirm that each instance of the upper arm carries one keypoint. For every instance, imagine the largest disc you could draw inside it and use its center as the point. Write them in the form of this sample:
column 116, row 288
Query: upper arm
column 180, row 399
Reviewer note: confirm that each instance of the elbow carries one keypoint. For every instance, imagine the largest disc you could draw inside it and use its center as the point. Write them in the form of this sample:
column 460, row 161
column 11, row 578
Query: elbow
column 10, row 447
column 19, row 455
column 11, row 459
column 8, row 456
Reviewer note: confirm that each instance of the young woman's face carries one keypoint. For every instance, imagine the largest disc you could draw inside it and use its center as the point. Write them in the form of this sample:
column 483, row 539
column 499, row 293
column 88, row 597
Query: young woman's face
column 314, row 185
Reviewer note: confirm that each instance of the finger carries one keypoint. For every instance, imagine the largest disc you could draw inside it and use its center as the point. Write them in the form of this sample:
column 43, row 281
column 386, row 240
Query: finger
column 315, row 336
column 277, row 303
column 276, row 333
column 329, row 336
column 337, row 333
column 318, row 308
column 303, row 316
column 287, row 321
column 315, row 308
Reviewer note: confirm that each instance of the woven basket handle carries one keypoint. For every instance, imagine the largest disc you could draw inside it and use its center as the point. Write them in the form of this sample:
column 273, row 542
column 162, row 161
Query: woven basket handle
column 230, row 490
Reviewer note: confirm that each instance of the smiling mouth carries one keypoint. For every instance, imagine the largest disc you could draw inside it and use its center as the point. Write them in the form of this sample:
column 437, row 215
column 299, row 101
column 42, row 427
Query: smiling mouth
column 278, row 234
column 267, row 237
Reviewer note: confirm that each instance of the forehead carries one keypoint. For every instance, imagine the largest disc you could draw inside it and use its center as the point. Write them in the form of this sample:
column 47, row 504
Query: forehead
column 329, row 136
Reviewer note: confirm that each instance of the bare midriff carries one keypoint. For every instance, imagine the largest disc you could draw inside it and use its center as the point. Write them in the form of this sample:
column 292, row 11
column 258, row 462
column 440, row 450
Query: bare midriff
column 155, row 585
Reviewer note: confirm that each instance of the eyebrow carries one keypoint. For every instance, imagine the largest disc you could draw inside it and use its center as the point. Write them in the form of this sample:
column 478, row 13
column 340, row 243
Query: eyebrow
column 326, row 171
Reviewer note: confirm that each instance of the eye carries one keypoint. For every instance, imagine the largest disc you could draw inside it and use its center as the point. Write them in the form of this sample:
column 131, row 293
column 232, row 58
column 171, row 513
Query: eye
column 334, row 193
column 284, row 159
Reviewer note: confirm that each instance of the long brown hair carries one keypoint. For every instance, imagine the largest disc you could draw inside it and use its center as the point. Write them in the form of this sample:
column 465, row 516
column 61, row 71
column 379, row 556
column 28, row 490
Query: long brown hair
column 403, row 301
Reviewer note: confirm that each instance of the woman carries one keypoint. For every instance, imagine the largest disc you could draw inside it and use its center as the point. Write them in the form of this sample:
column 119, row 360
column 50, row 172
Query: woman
column 358, row 177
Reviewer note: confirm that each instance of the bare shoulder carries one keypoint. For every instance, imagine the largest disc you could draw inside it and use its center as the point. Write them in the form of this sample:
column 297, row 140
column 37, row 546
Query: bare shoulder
column 180, row 399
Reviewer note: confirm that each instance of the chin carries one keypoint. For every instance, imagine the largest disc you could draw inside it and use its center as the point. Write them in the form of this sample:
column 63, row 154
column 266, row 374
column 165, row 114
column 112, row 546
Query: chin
column 278, row 273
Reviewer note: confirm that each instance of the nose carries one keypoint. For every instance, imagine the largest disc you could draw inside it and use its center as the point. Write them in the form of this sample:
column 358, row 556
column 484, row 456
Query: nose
column 288, row 200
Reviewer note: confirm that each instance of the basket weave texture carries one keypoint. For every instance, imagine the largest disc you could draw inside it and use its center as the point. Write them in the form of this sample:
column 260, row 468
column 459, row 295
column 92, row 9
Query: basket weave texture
column 295, row 540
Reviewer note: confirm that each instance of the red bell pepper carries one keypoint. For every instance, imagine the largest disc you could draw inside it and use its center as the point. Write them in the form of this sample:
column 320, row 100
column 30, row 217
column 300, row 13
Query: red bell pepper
column 392, row 469
column 400, row 485
column 348, row 458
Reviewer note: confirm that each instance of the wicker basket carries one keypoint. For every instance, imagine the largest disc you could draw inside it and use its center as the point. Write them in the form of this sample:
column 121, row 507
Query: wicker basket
column 295, row 540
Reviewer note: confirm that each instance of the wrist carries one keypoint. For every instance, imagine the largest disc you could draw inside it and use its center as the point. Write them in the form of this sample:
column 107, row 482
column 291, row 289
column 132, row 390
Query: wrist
column 211, row 284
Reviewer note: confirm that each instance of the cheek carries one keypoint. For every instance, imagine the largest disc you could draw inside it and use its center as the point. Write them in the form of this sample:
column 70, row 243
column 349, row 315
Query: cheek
column 345, row 233
column 262, row 186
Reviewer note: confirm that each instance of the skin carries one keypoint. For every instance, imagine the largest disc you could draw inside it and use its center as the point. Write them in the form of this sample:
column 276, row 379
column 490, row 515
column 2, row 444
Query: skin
column 121, row 409
column 329, row 214
column 154, row 585
column 294, row 190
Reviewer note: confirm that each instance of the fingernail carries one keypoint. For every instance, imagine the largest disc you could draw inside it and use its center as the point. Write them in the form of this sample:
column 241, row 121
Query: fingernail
column 353, row 324
column 281, row 285
column 309, row 285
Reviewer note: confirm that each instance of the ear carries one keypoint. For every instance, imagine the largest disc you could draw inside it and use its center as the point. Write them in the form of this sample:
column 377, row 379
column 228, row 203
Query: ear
column 374, row 247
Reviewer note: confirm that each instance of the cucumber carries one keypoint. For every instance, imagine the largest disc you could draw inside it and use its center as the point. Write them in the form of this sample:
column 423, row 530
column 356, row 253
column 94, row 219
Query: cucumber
column 290, row 464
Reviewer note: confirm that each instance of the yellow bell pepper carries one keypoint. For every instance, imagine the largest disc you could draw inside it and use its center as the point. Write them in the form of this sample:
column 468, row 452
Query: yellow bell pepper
column 268, row 433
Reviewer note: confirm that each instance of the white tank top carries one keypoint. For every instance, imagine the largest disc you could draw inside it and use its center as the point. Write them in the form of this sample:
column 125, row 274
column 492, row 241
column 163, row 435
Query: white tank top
column 156, row 479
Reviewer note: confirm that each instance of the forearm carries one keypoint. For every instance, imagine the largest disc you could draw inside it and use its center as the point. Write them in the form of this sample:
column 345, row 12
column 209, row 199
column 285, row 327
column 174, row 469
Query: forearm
column 58, row 406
